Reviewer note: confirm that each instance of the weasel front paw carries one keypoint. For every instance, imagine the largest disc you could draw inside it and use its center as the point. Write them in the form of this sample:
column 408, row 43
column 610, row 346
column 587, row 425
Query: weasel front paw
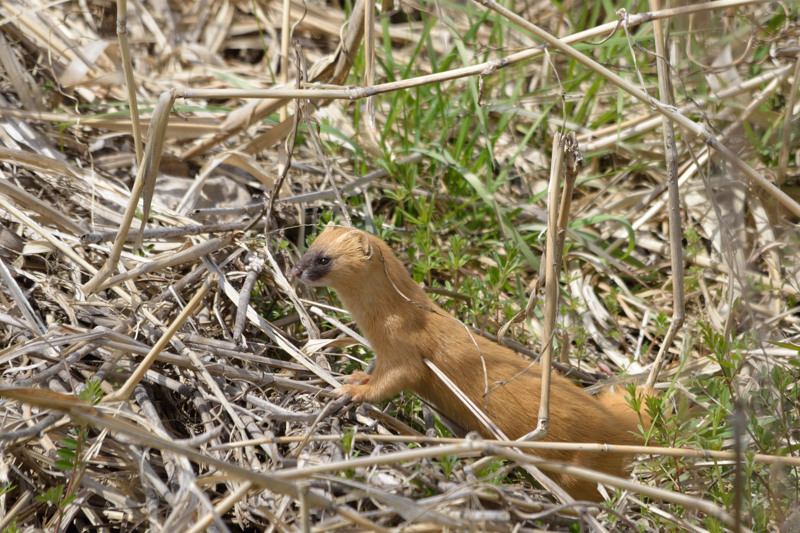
column 356, row 392
column 357, row 378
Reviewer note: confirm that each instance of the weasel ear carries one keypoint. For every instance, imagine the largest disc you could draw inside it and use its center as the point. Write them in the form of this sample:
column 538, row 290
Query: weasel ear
column 366, row 245
column 330, row 225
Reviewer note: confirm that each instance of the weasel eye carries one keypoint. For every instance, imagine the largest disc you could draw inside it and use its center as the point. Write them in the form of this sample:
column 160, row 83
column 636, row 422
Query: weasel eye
column 323, row 261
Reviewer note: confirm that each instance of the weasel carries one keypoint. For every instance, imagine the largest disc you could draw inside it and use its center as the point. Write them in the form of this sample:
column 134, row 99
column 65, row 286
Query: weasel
column 404, row 327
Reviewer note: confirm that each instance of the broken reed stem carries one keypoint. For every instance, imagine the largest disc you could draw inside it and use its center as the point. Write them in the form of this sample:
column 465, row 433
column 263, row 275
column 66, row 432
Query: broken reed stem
column 574, row 163
column 150, row 164
column 254, row 266
column 127, row 69
column 550, row 289
column 126, row 390
column 697, row 129
column 675, row 228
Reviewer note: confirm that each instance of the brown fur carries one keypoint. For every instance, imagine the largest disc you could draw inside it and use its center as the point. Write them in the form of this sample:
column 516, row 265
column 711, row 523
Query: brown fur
column 402, row 334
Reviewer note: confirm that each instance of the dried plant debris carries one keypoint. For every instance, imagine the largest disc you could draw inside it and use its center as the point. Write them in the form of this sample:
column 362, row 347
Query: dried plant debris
column 163, row 165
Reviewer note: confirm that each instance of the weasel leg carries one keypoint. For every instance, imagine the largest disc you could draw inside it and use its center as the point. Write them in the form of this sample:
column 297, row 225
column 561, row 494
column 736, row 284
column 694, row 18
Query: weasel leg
column 358, row 378
column 356, row 392
column 383, row 383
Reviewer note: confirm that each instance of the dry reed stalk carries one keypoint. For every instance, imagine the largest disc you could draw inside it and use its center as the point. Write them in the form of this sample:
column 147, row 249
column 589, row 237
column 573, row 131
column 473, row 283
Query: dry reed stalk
column 696, row 129
column 127, row 69
column 332, row 71
column 639, row 125
column 675, row 226
column 786, row 132
column 147, row 173
column 353, row 93
column 264, row 326
column 65, row 172
column 286, row 35
column 479, row 413
column 536, row 445
column 123, row 393
column 369, row 58
column 550, row 262
column 188, row 255
column 82, row 411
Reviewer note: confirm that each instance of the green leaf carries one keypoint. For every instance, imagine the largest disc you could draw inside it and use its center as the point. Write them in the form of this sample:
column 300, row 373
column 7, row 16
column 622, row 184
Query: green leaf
column 51, row 496
column 787, row 345
column 597, row 219
column 65, row 454
column 63, row 464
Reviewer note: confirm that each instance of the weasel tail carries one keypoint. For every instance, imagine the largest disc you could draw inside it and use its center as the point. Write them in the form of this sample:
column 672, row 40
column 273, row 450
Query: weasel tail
column 405, row 327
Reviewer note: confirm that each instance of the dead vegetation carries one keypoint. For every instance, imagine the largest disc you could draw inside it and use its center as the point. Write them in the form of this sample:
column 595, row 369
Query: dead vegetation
column 169, row 376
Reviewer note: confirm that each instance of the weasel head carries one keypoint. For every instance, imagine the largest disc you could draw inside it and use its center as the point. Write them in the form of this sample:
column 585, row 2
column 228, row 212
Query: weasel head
column 338, row 258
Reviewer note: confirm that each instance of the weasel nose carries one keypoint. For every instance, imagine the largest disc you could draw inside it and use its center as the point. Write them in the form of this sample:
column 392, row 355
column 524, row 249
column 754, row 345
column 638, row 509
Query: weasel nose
column 297, row 271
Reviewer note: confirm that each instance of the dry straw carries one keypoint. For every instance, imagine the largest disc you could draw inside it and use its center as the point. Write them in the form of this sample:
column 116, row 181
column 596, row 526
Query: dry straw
column 218, row 380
